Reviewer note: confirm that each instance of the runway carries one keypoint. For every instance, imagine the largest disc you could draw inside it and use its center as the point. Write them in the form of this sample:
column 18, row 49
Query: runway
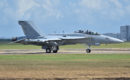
column 68, row 51
column 30, row 66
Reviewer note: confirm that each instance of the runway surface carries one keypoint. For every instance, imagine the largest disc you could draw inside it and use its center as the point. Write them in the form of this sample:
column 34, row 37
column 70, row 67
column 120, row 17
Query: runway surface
column 67, row 51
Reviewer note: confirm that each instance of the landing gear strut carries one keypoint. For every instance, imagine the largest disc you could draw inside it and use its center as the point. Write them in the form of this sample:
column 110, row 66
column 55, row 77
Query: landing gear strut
column 88, row 50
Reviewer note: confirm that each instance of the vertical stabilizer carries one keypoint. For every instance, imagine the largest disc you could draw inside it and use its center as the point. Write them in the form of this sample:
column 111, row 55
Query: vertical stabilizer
column 29, row 29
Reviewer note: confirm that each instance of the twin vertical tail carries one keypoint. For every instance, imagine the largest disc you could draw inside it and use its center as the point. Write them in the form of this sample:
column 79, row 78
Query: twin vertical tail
column 29, row 29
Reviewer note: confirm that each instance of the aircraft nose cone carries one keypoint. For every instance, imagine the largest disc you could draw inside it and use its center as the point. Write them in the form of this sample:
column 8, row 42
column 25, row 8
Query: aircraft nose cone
column 121, row 41
column 117, row 40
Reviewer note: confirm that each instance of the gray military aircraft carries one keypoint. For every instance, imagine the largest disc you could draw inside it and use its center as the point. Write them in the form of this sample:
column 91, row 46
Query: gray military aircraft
column 51, row 42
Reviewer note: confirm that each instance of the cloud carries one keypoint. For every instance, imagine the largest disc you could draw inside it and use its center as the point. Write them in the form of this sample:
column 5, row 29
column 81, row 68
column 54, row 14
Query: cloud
column 24, row 6
column 92, row 4
column 128, row 9
column 116, row 3
column 113, row 9
column 2, row 4
column 58, row 9
column 6, row 12
column 28, row 9
column 51, row 9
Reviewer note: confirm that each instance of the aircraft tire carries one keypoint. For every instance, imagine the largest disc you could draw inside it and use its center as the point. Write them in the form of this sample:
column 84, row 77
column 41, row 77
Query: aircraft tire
column 48, row 50
column 55, row 51
column 88, row 50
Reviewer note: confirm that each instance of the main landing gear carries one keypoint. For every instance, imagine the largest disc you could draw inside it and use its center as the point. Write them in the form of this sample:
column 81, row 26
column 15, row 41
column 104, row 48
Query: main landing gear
column 53, row 49
column 48, row 50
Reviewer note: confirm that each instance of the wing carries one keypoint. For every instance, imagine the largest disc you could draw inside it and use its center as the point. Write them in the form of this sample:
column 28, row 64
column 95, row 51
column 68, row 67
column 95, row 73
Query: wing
column 75, row 40
column 59, row 40
column 72, row 38
column 43, row 40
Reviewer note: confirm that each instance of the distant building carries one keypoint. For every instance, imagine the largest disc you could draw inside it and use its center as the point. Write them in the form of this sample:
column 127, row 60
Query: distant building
column 125, row 32
column 115, row 35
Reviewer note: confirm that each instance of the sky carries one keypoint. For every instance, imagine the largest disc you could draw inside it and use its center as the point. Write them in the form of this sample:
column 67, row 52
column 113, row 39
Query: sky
column 56, row 16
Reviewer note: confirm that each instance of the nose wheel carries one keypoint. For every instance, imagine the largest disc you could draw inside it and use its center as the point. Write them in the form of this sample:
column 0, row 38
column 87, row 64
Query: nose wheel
column 88, row 50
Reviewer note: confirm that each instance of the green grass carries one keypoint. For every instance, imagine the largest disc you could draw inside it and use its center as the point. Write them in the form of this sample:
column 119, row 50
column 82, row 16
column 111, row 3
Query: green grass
column 66, row 57
column 18, row 46
column 5, row 45
column 80, row 46
column 64, row 60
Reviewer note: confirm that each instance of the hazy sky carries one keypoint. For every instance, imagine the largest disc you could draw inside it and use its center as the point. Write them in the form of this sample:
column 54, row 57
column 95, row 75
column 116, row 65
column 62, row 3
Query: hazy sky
column 69, row 15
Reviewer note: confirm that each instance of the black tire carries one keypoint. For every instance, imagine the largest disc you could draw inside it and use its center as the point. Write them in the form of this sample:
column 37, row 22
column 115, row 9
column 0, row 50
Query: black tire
column 48, row 50
column 55, row 51
column 57, row 48
column 88, row 50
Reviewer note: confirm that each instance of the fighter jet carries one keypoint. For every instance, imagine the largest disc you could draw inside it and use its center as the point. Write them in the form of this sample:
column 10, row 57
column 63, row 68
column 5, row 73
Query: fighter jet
column 51, row 42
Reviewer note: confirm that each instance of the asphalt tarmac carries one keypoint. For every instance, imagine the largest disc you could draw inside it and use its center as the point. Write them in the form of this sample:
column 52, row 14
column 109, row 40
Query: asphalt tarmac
column 67, row 51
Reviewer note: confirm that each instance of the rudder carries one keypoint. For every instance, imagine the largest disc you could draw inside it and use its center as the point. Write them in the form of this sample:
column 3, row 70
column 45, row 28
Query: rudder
column 29, row 29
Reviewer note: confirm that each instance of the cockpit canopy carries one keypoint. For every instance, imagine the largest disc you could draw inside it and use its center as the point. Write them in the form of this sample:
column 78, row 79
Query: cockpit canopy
column 87, row 32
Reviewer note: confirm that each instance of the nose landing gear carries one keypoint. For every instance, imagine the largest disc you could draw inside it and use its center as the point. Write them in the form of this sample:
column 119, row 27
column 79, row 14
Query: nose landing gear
column 88, row 50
